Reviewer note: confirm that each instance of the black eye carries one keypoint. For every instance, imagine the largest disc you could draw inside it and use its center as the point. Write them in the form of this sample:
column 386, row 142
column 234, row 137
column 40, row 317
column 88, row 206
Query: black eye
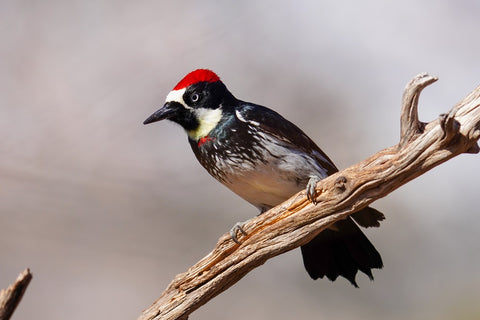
column 195, row 97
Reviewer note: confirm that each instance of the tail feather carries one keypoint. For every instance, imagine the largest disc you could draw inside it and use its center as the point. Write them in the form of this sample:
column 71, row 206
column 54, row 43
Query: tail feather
column 368, row 217
column 341, row 252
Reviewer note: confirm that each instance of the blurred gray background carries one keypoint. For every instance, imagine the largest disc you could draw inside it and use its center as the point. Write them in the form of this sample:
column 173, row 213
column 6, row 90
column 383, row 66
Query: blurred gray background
column 106, row 211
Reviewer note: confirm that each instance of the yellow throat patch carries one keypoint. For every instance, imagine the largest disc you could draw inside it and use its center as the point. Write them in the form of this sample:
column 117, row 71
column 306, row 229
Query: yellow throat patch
column 207, row 119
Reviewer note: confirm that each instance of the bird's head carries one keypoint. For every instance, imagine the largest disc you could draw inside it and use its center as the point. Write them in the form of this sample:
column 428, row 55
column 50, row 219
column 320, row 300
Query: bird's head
column 195, row 103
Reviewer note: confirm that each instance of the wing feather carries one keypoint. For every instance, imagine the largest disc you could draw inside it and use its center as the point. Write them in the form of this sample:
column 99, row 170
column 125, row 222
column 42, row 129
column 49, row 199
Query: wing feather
column 273, row 124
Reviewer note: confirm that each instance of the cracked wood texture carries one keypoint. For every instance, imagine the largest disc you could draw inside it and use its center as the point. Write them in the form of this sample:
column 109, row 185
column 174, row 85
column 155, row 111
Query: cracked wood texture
column 295, row 222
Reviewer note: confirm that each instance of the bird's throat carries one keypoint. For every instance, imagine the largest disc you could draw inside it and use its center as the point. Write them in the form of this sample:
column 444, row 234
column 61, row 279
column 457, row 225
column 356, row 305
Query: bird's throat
column 207, row 120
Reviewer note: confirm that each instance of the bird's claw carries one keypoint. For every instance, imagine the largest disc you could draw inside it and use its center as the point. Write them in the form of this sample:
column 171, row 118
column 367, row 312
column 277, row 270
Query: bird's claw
column 237, row 227
column 311, row 189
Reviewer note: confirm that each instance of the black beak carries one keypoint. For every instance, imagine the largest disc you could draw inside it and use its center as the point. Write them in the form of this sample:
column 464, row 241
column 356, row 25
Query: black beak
column 166, row 112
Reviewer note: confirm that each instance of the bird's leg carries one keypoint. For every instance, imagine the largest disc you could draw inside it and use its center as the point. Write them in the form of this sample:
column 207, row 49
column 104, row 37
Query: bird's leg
column 311, row 189
column 237, row 227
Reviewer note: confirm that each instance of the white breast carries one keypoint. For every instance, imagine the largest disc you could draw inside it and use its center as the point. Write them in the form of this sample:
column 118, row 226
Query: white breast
column 283, row 173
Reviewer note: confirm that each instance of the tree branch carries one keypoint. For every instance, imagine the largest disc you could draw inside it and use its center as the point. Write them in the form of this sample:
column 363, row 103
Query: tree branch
column 10, row 297
column 410, row 126
column 295, row 222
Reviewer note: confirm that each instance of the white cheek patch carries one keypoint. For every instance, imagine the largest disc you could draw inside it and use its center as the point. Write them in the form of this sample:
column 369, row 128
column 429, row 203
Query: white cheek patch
column 207, row 119
column 177, row 96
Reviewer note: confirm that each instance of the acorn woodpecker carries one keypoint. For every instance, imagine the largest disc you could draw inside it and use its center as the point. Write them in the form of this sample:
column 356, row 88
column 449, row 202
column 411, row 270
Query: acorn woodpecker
column 265, row 159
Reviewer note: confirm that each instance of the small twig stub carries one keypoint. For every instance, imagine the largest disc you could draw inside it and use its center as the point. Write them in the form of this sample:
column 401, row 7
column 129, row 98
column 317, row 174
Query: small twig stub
column 10, row 297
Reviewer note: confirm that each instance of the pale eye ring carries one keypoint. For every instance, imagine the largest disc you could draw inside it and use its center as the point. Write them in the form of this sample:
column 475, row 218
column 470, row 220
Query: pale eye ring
column 195, row 97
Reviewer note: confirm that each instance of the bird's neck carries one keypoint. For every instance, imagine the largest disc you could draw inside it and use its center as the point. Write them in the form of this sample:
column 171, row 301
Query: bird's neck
column 208, row 119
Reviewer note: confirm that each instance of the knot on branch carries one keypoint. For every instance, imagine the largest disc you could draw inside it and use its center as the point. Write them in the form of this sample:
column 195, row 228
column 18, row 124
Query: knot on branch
column 410, row 125
column 340, row 183
column 450, row 127
column 451, row 132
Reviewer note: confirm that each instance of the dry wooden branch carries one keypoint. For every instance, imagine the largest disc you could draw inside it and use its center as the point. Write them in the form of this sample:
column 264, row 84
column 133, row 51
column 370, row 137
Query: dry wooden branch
column 295, row 222
column 10, row 297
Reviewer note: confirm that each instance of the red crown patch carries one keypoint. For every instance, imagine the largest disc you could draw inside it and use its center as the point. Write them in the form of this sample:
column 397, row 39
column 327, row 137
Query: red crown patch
column 199, row 75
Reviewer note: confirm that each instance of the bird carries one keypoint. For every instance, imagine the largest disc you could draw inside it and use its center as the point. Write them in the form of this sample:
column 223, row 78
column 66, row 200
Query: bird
column 266, row 159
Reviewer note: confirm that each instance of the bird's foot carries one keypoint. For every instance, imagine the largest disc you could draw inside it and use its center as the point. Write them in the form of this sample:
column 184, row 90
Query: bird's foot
column 237, row 227
column 311, row 189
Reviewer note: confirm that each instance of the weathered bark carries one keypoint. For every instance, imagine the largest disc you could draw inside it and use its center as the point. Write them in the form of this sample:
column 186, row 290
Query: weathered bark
column 10, row 297
column 295, row 222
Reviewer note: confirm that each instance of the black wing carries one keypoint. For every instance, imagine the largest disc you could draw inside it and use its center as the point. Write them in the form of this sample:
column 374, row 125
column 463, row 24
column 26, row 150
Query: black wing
column 277, row 126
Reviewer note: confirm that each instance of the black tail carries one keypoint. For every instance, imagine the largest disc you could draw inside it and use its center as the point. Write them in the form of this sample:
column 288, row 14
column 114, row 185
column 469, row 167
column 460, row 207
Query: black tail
column 342, row 251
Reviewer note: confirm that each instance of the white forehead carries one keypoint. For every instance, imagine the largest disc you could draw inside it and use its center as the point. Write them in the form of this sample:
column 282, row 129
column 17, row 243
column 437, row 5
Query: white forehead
column 176, row 95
